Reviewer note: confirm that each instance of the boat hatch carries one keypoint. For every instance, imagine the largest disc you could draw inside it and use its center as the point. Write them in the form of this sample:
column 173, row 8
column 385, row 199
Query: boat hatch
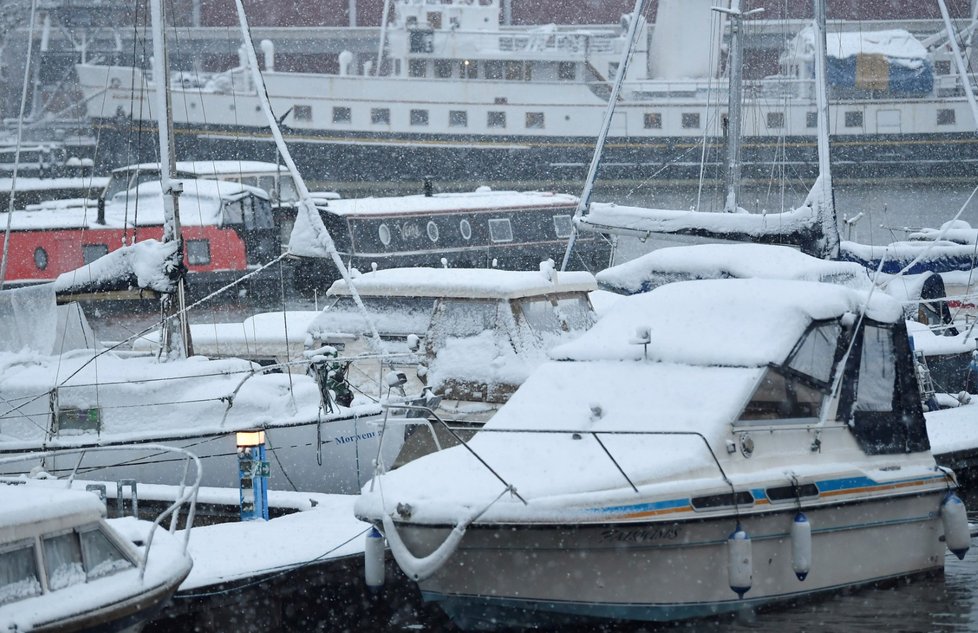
column 791, row 493
column 726, row 500
column 67, row 558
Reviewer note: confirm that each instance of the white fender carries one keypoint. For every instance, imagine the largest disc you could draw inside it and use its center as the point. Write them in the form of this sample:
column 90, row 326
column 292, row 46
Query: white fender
column 373, row 559
column 420, row 568
column 740, row 564
column 801, row 545
column 954, row 516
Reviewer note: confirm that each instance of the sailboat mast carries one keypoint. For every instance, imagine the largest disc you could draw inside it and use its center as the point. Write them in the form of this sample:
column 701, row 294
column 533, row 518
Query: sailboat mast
column 171, row 189
column 735, row 91
column 825, row 197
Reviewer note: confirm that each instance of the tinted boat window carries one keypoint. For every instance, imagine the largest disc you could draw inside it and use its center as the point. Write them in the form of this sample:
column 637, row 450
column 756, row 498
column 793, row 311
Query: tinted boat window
column 18, row 574
column 877, row 375
column 540, row 314
column 814, row 356
column 463, row 318
column 63, row 561
column 102, row 556
column 781, row 397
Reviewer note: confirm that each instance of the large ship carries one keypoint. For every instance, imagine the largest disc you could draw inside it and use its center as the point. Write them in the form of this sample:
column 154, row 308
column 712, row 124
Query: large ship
column 458, row 96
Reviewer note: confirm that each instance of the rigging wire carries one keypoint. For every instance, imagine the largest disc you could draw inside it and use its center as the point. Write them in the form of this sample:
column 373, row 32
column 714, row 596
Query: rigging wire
column 20, row 136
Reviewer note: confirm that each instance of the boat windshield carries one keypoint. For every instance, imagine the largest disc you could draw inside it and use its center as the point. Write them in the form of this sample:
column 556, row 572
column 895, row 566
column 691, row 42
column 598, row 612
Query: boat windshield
column 18, row 573
column 462, row 318
column 782, row 397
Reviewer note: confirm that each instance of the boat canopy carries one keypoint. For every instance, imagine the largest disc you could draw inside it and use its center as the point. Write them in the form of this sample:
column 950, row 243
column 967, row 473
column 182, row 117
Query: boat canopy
column 28, row 512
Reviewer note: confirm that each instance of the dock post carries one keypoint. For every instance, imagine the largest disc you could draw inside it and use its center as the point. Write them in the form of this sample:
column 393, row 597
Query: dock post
column 252, row 475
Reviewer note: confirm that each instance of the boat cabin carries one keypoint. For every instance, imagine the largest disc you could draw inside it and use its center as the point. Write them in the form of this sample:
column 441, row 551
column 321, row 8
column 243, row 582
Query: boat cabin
column 484, row 330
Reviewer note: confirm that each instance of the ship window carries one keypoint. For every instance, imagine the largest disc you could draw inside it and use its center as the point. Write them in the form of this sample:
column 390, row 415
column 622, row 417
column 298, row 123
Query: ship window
column 302, row 113
column 422, row 42
column 563, row 225
column 91, row 252
column 691, row 120
column 461, row 318
column 814, row 356
column 18, row 573
column 779, row 397
column 514, row 71
column 40, row 258
column 942, row 67
column 567, row 71
column 419, row 117
column 102, row 557
column 500, row 230
column 612, row 70
column 534, row 120
column 854, row 118
column 63, row 561
column 417, row 68
column 380, row 116
column 653, row 121
column 384, row 233
column 198, row 252
column 945, row 116
column 496, row 119
column 432, row 229
column 458, row 118
column 434, row 19
column 342, row 115
column 443, row 68
column 775, row 120
column 469, row 69
column 494, row 70
column 811, row 119
column 465, row 229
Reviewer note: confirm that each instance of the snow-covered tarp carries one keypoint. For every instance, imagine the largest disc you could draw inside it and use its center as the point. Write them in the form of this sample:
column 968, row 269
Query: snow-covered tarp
column 717, row 261
column 147, row 264
column 799, row 227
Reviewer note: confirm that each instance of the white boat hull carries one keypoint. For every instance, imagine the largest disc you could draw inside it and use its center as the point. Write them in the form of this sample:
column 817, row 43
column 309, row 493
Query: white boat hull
column 671, row 570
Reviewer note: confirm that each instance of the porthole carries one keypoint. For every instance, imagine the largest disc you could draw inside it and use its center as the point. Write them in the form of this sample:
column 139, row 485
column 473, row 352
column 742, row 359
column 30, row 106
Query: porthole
column 465, row 229
column 40, row 258
column 384, row 233
column 432, row 231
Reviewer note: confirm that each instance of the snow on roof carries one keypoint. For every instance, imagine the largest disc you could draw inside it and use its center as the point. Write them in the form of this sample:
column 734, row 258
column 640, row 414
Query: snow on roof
column 145, row 260
column 644, row 220
column 476, row 283
column 211, row 167
column 643, row 396
column 716, row 261
column 200, row 205
column 898, row 45
column 24, row 507
column 479, row 200
column 730, row 322
column 94, row 183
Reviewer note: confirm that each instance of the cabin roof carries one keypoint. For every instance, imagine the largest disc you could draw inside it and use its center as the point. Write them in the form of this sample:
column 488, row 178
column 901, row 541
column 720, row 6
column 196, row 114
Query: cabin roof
column 479, row 200
column 212, row 167
column 728, row 322
column 717, row 261
column 23, row 506
column 477, row 283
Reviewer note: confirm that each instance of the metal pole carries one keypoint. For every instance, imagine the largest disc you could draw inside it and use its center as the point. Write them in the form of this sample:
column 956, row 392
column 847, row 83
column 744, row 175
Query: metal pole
column 353, row 12
column 826, row 197
column 952, row 36
column 735, row 102
column 171, row 192
column 383, row 37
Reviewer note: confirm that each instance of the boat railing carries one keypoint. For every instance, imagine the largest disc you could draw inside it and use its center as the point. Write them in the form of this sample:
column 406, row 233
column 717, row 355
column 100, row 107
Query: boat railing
column 185, row 495
column 428, row 413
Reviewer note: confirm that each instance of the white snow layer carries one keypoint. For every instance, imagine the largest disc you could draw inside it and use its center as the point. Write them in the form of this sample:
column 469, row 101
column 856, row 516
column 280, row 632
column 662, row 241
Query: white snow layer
column 897, row 45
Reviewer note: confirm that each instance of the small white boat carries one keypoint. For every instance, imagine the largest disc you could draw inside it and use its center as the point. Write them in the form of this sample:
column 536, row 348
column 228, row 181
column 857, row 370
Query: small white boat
column 65, row 567
column 706, row 447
